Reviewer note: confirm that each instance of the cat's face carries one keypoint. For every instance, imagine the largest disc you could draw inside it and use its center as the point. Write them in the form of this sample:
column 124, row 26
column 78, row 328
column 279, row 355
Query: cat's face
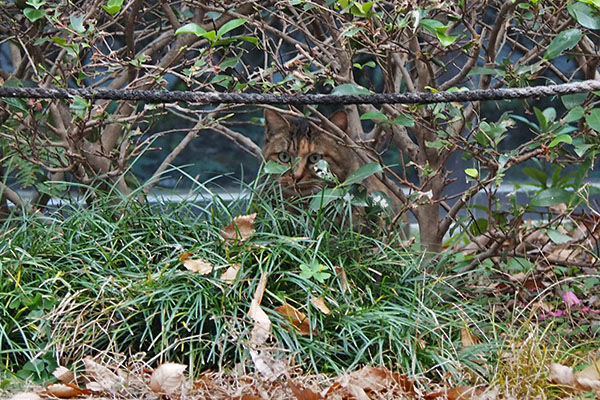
column 292, row 142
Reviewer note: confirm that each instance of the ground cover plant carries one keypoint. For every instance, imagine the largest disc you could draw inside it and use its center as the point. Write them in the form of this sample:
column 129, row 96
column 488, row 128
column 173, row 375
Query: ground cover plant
column 173, row 283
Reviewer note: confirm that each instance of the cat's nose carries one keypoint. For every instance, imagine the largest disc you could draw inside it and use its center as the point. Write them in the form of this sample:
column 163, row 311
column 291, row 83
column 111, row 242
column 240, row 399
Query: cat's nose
column 299, row 172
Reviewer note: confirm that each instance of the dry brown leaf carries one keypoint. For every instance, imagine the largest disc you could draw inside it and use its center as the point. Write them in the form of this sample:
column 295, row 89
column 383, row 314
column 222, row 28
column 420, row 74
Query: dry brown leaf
column 104, row 380
column 297, row 318
column 168, row 378
column 304, row 394
column 198, row 266
column 319, row 302
column 230, row 274
column 65, row 390
column 341, row 274
column 468, row 338
column 63, row 374
column 589, row 378
column 240, row 229
column 262, row 323
column 373, row 379
column 561, row 374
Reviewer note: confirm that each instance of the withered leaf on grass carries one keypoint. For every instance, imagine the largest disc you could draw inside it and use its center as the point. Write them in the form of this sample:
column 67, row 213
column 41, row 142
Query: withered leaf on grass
column 588, row 379
column 373, row 379
column 168, row 378
column 319, row 303
column 297, row 318
column 65, row 390
column 304, row 394
column 467, row 337
column 103, row 379
column 240, row 229
column 63, row 374
column 197, row 266
column 229, row 275
column 262, row 323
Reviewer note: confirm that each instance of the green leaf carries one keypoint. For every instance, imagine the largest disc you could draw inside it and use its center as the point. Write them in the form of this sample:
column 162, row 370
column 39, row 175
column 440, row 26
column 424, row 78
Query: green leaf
column 593, row 119
column 350, row 88
column 536, row 174
column 472, row 172
column 35, row 3
column 33, row 15
column 558, row 237
column 77, row 24
column 550, row 197
column 575, row 114
column 79, row 106
column 113, row 6
column 193, row 28
column 439, row 30
column 565, row 40
column 486, row 71
column 585, row 15
column 573, row 100
column 229, row 26
column 362, row 173
column 325, row 197
column 273, row 167
column 374, row 115
column 403, row 120
column 560, row 139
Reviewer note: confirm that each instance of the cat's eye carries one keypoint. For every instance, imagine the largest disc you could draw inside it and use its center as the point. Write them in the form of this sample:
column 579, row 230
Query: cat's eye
column 314, row 158
column 284, row 157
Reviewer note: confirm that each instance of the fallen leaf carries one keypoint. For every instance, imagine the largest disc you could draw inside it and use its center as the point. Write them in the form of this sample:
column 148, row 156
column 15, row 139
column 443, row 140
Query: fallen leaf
column 341, row 274
column 561, row 374
column 467, row 337
column 240, row 229
column 319, row 302
column 373, row 379
column 267, row 365
column 65, row 390
column 589, row 378
column 230, row 274
column 262, row 323
column 103, row 379
column 198, row 266
column 297, row 318
column 304, row 394
column 63, row 374
column 167, row 378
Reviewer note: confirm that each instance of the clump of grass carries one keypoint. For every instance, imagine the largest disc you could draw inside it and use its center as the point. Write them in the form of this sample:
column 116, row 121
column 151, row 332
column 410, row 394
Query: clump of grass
column 87, row 279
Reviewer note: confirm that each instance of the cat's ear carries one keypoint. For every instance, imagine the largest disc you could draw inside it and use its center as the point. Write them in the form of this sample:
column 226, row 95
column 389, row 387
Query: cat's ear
column 275, row 122
column 340, row 119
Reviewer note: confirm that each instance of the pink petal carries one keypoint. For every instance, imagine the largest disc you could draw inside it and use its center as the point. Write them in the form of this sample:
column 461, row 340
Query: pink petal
column 571, row 299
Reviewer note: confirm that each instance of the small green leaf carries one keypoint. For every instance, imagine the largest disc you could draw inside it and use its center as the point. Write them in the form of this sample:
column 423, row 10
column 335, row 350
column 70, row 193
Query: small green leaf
column 472, row 172
column 593, row 119
column 536, row 174
column 403, row 120
column 439, row 30
column 575, row 114
column 558, row 237
column 77, row 24
column 486, row 71
column 573, row 100
column 550, row 197
column 374, row 115
column 79, row 106
column 35, row 3
column 362, row 173
column 350, row 88
column 33, row 14
column 113, row 6
column 193, row 28
column 229, row 26
column 560, row 139
column 273, row 167
column 565, row 40
column 325, row 197
column 585, row 15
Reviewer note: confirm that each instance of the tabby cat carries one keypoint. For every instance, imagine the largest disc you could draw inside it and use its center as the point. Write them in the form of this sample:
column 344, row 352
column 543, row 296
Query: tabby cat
column 292, row 141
